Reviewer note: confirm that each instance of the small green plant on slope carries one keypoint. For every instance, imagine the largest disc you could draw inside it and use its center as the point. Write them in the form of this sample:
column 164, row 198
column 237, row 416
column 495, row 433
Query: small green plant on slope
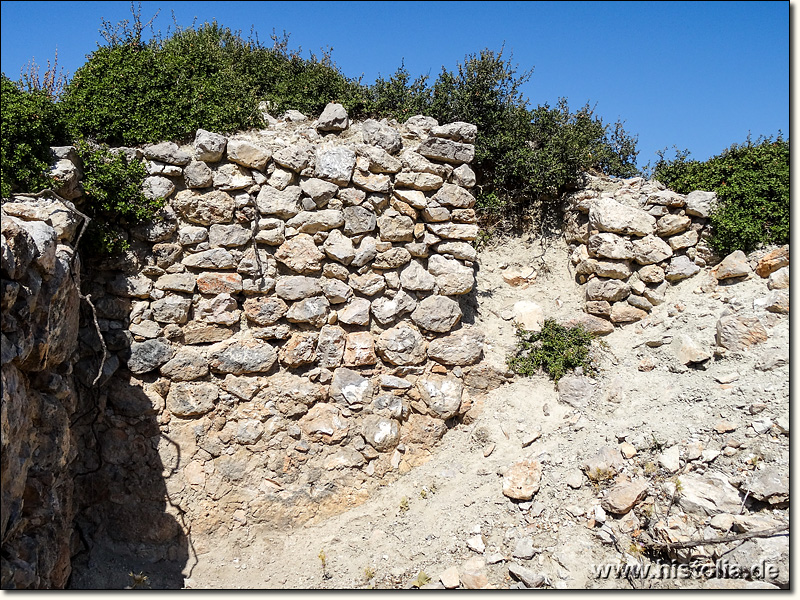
column 751, row 181
column 114, row 199
column 556, row 349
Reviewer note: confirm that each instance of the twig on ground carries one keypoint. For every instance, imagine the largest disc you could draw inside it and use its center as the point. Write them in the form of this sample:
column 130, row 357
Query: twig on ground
column 764, row 533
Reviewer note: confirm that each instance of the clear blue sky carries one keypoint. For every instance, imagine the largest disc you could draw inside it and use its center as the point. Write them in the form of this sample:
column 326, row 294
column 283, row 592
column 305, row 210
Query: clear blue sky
column 697, row 75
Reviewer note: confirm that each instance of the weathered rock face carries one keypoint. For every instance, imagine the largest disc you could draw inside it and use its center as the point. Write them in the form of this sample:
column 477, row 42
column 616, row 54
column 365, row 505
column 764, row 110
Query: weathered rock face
column 40, row 316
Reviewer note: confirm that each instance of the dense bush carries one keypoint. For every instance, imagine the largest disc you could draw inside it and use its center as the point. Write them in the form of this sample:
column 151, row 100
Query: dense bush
column 205, row 77
column 752, row 183
column 523, row 158
column 211, row 77
column 131, row 91
column 114, row 200
column 31, row 124
column 555, row 349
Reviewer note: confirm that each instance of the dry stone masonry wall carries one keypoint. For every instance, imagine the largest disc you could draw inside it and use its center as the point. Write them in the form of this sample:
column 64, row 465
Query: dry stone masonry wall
column 631, row 239
column 297, row 321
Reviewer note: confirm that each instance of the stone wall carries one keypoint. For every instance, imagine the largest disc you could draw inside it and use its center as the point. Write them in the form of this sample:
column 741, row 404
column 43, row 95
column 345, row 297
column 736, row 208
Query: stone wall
column 40, row 318
column 630, row 239
column 294, row 329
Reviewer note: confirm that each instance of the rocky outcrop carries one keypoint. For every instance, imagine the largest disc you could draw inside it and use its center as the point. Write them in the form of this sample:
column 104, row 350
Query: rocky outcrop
column 40, row 318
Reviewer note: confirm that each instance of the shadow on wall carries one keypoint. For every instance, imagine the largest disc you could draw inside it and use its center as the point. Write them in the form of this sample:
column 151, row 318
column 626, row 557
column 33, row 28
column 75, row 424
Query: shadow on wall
column 127, row 534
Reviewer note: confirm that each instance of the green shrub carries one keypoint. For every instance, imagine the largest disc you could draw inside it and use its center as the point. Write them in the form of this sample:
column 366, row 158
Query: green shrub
column 132, row 93
column 114, row 200
column 556, row 349
column 287, row 81
column 31, row 124
column 752, row 183
column 523, row 158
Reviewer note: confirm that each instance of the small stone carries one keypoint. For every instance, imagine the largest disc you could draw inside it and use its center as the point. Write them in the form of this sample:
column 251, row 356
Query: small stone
column 368, row 284
column 522, row 480
column 622, row 497
column 733, row 265
column 761, row 426
column 442, row 395
column 524, row 548
column 772, row 261
column 623, row 312
column 574, row 480
column 437, row 313
column 530, row 436
column 529, row 578
column 575, row 390
column 779, row 280
column 187, row 364
column 450, row 579
column 309, row 310
column 382, row 135
column 209, row 146
column 528, row 315
column 627, row 449
column 219, row 283
column 360, row 350
column 687, row 351
column 473, row 574
column 294, row 157
column 680, row 267
column 355, row 312
column 349, row 388
column 299, row 350
column 700, row 204
column 738, row 333
column 670, row 459
column 463, row 347
column 724, row 427
column 333, row 118
column 149, row 355
column 727, row 377
column 381, row 433
column 191, row 399
column 651, row 274
column 241, row 355
column 476, row 544
column 300, row 254
column 248, row 154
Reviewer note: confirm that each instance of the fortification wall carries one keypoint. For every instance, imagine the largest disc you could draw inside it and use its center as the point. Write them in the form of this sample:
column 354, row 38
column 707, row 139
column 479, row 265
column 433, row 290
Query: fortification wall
column 630, row 240
column 293, row 329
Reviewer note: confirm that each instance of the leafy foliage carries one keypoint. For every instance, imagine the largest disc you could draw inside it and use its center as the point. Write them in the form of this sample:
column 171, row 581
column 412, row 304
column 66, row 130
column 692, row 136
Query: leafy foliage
column 141, row 93
column 31, row 124
column 211, row 77
column 556, row 349
column 523, row 157
column 133, row 91
column 752, row 184
column 114, row 199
